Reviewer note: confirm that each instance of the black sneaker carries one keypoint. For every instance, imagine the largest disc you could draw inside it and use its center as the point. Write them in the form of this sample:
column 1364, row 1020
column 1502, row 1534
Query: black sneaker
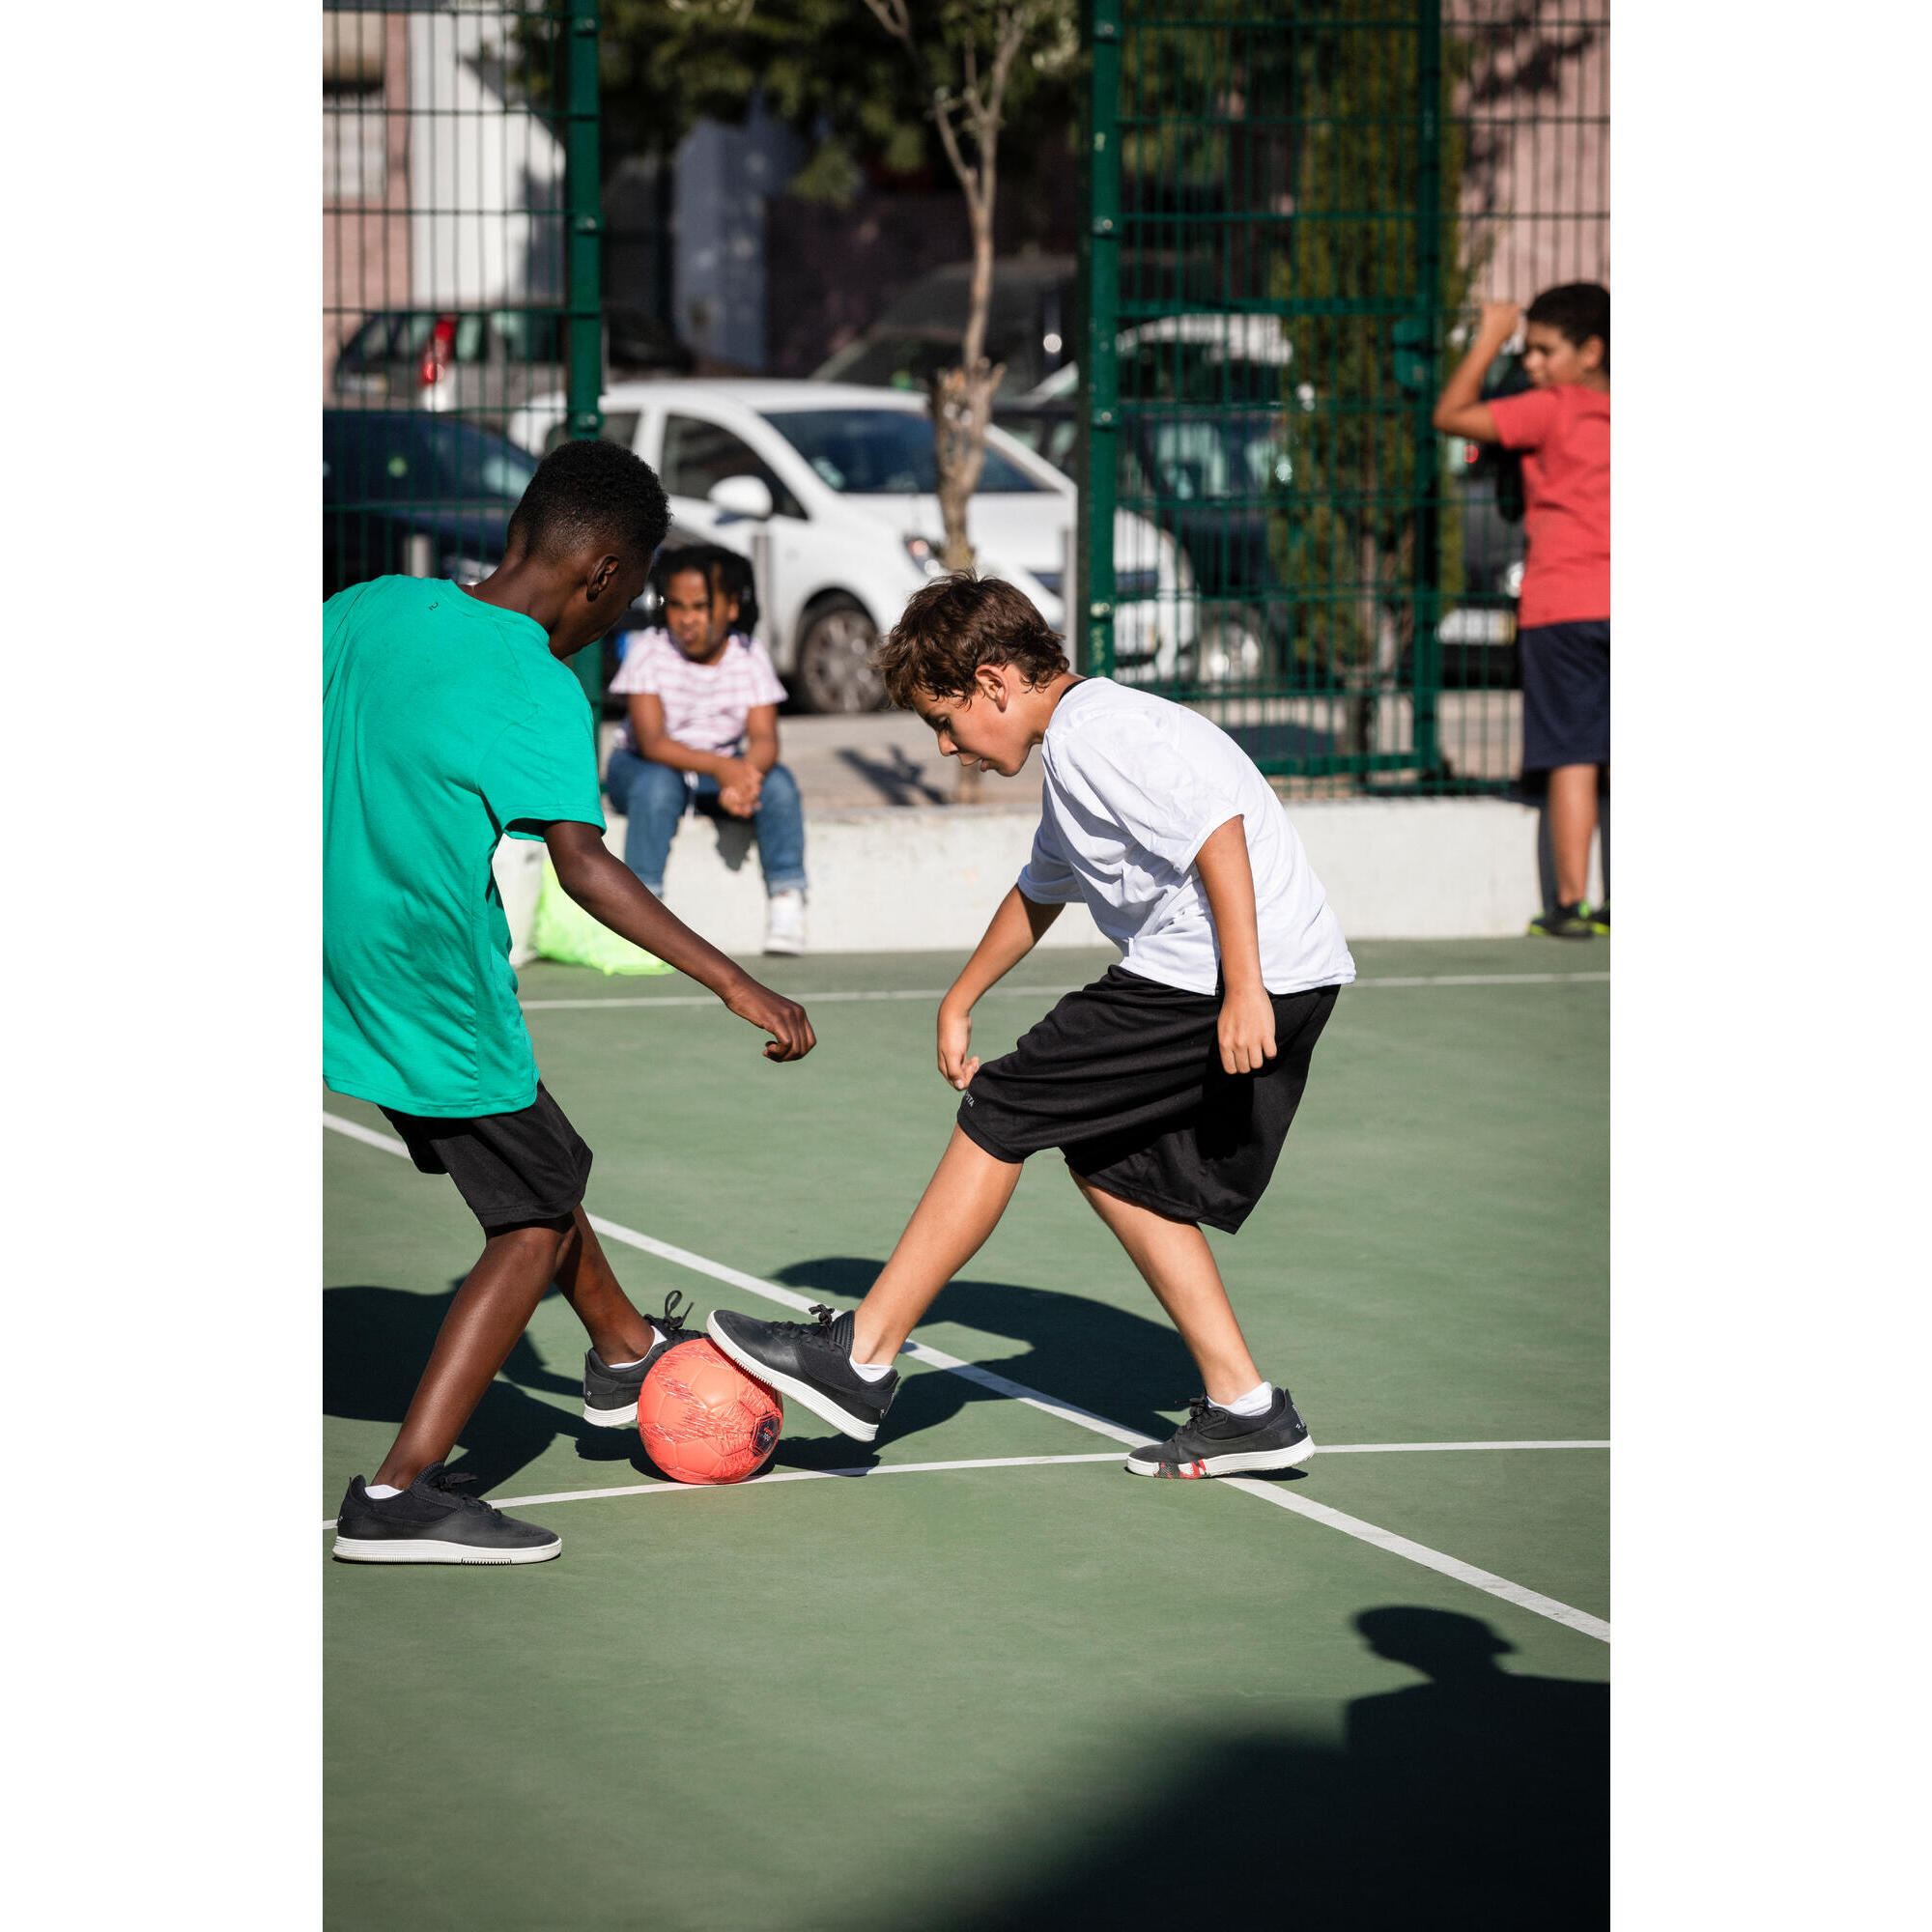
column 1599, row 918
column 1565, row 921
column 429, row 1522
column 1214, row 1442
column 610, row 1395
column 810, row 1362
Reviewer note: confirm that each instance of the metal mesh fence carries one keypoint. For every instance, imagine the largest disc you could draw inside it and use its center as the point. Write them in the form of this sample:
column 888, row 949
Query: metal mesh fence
column 461, row 272
column 1292, row 211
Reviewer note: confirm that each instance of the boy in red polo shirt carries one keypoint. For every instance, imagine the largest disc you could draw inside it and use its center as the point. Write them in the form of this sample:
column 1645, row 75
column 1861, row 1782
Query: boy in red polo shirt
column 1562, row 426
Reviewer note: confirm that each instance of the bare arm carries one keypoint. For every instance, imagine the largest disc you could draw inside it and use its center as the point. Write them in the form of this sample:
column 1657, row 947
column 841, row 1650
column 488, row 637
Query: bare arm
column 647, row 728
column 1246, row 1031
column 1013, row 933
column 761, row 736
column 1459, row 408
column 739, row 794
column 607, row 889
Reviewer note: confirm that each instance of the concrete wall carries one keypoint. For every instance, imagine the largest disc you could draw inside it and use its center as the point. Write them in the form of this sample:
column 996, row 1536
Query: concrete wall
column 912, row 880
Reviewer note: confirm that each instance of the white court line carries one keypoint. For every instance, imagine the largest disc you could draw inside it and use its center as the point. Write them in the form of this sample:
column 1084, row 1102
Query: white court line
column 668, row 1489
column 1348, row 1525
column 1420, row 1552
column 787, row 1476
column 1053, row 992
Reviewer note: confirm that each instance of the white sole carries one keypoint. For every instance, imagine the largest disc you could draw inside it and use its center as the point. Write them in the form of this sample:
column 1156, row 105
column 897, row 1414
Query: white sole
column 427, row 1549
column 1234, row 1466
column 785, row 947
column 822, row 1407
column 611, row 1418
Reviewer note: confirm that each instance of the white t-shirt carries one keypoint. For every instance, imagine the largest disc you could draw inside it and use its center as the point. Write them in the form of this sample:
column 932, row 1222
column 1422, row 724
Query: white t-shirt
column 706, row 706
column 1134, row 786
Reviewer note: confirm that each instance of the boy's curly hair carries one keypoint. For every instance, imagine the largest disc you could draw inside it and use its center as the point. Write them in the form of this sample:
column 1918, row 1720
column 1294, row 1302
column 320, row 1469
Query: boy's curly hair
column 953, row 625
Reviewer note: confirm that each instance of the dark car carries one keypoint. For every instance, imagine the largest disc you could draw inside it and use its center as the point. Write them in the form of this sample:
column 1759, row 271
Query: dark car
column 1032, row 326
column 487, row 363
column 409, row 493
column 1218, row 478
column 1212, row 479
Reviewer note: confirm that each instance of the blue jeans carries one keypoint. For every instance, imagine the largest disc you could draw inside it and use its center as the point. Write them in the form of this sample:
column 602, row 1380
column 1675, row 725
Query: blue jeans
column 654, row 797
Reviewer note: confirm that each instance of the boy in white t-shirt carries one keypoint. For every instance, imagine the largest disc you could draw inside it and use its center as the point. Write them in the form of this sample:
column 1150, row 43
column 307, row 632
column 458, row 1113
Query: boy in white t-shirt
column 1169, row 1084
column 702, row 733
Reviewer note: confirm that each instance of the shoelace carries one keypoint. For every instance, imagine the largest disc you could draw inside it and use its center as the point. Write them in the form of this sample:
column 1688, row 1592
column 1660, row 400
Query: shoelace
column 671, row 1322
column 819, row 1331
column 1198, row 1408
column 447, row 1484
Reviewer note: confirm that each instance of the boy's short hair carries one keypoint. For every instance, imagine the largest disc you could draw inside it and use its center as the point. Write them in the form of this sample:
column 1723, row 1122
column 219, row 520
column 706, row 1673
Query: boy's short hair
column 953, row 625
column 591, row 492
column 1577, row 311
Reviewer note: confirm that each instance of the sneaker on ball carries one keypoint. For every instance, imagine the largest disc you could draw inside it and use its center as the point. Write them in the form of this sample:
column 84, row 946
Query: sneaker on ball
column 610, row 1395
column 785, row 921
column 430, row 1522
column 1216, row 1443
column 811, row 1362
column 1565, row 921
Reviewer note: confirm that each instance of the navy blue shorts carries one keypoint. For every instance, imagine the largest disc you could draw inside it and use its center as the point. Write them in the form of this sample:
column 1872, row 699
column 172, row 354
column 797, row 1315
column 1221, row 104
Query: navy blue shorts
column 1566, row 695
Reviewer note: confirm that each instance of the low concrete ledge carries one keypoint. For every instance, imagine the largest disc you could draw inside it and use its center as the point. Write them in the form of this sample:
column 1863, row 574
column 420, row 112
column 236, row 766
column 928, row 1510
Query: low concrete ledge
column 927, row 879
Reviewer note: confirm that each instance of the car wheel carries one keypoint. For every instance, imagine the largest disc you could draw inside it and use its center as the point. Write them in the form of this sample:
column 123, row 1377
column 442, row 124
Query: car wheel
column 1230, row 649
column 836, row 672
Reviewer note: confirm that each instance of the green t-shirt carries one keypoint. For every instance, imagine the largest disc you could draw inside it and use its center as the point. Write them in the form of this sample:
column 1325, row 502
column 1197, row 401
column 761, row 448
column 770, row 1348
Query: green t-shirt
column 446, row 723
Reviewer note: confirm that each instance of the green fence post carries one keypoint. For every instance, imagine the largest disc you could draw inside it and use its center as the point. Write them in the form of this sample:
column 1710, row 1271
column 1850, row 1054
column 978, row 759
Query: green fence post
column 583, row 226
column 1100, row 260
column 1426, row 612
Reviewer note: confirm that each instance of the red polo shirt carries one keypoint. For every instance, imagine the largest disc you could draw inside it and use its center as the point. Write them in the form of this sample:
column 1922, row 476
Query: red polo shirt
column 1564, row 434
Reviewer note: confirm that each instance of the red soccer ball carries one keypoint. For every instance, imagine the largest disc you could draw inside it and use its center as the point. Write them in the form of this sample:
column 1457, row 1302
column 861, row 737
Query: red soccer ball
column 703, row 1419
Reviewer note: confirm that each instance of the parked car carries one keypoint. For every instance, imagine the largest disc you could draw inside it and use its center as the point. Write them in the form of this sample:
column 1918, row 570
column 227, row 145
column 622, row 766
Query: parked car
column 829, row 490
column 486, row 362
column 409, row 493
column 1206, row 428
column 1032, row 326
column 1214, row 471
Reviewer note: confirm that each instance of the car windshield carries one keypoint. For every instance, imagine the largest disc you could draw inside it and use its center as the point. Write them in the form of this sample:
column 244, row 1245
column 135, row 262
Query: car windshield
column 389, row 456
column 883, row 452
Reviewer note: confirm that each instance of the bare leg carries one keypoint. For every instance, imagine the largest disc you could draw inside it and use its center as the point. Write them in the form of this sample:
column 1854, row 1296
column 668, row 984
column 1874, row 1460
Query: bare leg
column 492, row 1308
column 616, row 1330
column 1176, row 1263
column 961, row 1206
column 1573, row 824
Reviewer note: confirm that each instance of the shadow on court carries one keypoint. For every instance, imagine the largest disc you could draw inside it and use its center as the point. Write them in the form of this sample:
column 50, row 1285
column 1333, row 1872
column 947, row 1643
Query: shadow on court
column 1122, row 1366
column 1476, row 1798
column 375, row 1343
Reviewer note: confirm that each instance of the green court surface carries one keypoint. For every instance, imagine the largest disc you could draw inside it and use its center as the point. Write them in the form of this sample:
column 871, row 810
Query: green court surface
column 1037, row 1694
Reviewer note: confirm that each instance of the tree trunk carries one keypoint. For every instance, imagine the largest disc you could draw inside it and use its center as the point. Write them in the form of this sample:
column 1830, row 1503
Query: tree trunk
column 961, row 400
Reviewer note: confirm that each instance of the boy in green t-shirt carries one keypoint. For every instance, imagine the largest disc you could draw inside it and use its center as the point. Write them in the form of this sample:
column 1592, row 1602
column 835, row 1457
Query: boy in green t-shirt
column 450, row 719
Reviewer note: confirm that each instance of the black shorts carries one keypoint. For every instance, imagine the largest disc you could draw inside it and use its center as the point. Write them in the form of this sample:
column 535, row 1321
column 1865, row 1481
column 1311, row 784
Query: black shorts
column 512, row 1169
column 1125, row 1077
column 1566, row 695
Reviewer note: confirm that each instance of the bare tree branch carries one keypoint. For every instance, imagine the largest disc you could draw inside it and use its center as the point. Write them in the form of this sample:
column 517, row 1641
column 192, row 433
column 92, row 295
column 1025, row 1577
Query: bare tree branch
column 961, row 398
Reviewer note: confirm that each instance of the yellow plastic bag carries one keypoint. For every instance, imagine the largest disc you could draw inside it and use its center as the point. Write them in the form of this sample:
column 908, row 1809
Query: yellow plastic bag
column 561, row 929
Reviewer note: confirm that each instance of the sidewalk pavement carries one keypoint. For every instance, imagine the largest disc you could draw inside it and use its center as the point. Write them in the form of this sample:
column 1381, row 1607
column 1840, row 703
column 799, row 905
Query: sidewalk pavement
column 885, row 759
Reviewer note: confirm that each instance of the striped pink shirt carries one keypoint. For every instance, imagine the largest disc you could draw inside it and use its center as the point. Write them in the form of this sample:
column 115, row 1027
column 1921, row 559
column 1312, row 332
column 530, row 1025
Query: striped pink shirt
column 706, row 706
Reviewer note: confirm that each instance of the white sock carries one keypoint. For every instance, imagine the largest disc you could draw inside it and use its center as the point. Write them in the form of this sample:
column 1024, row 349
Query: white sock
column 381, row 1491
column 657, row 1336
column 872, row 1372
column 1258, row 1400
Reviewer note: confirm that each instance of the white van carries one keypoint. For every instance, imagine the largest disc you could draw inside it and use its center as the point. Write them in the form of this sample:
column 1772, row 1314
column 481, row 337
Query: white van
column 828, row 489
